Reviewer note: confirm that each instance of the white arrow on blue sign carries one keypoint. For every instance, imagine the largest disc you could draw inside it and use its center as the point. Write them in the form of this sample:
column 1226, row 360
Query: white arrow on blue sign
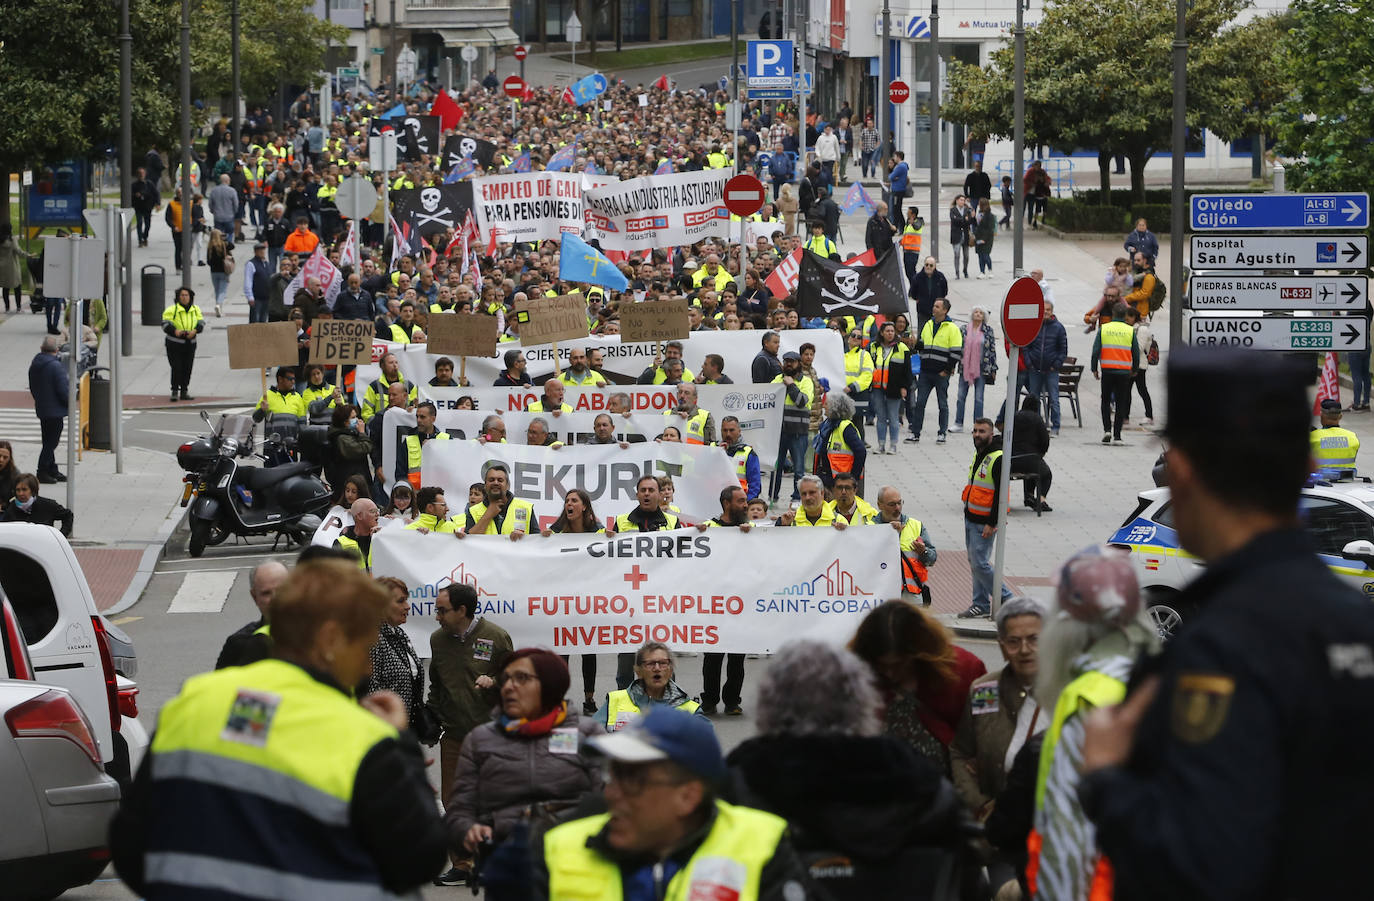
column 1262, row 212
column 599, row 83
column 769, row 64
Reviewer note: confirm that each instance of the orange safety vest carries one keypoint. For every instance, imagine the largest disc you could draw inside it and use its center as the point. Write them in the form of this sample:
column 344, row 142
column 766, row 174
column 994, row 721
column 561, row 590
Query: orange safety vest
column 981, row 490
column 838, row 452
column 1117, row 338
column 896, row 355
column 911, row 240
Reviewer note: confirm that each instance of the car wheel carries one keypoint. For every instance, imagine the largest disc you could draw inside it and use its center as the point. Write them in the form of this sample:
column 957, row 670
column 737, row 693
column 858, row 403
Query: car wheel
column 1166, row 620
column 200, row 536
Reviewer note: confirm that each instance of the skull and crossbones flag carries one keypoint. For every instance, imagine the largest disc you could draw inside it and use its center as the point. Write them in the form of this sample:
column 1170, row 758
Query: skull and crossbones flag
column 827, row 288
column 415, row 135
column 456, row 147
column 433, row 208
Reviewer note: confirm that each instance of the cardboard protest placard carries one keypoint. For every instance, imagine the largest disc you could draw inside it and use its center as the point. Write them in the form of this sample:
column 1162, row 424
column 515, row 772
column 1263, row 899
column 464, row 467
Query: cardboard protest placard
column 260, row 344
column 548, row 319
column 654, row 320
column 462, row 334
column 341, row 342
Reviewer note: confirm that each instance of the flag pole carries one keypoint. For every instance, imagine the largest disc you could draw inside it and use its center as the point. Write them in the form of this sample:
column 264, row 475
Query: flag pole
column 553, row 345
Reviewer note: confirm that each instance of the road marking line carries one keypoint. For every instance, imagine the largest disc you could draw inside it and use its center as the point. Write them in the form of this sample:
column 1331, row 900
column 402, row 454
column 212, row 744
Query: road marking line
column 125, row 620
column 202, row 592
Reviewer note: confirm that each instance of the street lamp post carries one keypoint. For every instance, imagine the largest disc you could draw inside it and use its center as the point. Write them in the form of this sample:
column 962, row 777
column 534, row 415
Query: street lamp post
column 234, row 62
column 933, row 219
column 126, row 172
column 1018, row 140
column 187, row 157
column 1177, row 219
column 885, row 105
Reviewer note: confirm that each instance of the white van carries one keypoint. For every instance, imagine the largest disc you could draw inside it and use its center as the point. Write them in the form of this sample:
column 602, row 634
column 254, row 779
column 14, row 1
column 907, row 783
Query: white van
column 69, row 641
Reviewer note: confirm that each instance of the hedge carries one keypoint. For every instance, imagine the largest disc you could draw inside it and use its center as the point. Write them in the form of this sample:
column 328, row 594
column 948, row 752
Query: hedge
column 1076, row 216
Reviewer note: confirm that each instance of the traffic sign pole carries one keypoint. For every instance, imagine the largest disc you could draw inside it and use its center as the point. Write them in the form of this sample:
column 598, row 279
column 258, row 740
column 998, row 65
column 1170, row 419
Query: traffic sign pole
column 1023, row 315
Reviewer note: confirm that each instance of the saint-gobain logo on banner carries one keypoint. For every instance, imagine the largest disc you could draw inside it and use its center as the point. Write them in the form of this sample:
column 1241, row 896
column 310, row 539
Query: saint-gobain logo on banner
column 833, row 590
column 422, row 596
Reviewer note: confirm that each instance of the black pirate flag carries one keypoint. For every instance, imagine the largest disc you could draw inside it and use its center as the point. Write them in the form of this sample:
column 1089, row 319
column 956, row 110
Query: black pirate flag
column 415, row 135
column 456, row 147
column 433, row 208
column 827, row 288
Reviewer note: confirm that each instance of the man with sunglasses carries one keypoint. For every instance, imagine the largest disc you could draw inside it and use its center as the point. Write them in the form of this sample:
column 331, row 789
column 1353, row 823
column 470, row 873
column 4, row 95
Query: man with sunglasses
column 665, row 831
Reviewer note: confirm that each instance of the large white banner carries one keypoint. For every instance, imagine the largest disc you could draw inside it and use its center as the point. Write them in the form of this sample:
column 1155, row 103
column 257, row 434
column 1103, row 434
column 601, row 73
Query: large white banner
column 569, row 428
column 660, row 210
column 608, row 473
column 711, row 590
column 532, row 206
column 623, row 362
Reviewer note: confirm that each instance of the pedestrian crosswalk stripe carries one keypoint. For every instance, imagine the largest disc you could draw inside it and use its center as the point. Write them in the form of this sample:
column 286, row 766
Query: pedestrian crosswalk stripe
column 20, row 425
column 203, row 592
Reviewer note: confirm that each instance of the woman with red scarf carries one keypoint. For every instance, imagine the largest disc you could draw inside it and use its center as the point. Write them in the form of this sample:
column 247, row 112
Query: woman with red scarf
column 924, row 677
column 525, row 761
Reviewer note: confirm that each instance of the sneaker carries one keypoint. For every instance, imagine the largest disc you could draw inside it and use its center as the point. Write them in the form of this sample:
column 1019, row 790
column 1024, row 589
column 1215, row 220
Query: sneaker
column 940, row 438
column 185, row 396
column 708, row 709
column 589, row 708
column 882, row 449
column 1054, row 433
column 1107, row 438
column 913, row 439
column 453, row 876
column 1147, row 423
column 956, row 428
column 974, row 612
column 174, row 397
column 1117, row 441
column 734, row 710
column 1045, row 508
column 219, row 311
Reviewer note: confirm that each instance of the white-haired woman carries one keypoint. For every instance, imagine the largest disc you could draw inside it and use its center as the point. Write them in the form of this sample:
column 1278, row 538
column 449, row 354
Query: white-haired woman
column 1087, row 648
column 840, row 444
column 821, row 761
column 978, row 367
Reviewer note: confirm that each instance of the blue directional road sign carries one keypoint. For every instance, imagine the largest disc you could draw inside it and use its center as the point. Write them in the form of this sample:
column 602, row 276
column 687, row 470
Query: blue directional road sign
column 599, row 83
column 723, row 83
column 1264, row 212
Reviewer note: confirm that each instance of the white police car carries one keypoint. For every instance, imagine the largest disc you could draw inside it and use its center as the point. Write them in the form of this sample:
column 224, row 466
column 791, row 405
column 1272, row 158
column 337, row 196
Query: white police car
column 1339, row 516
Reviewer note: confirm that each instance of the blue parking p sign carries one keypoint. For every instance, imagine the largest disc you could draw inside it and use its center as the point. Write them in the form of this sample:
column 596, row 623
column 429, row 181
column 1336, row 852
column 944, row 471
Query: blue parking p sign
column 770, row 64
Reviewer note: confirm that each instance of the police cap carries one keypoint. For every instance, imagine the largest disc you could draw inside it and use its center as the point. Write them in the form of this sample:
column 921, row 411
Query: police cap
column 1236, row 395
column 1331, row 405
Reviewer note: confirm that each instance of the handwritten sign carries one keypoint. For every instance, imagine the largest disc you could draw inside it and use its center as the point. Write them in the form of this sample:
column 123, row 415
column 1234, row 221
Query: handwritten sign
column 462, row 334
column 260, row 344
column 547, row 319
column 654, row 320
column 341, row 342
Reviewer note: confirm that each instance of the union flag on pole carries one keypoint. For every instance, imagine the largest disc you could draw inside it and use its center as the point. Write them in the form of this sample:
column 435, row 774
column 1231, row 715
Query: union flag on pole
column 1329, row 385
column 348, row 254
column 784, row 276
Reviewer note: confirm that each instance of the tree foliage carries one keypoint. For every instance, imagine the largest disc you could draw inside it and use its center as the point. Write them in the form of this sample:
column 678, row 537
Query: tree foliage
column 1100, row 74
column 279, row 41
column 1328, row 55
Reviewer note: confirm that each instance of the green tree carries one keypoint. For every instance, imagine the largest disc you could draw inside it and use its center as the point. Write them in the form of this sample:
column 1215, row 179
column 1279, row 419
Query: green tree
column 1099, row 74
column 1328, row 54
column 280, row 41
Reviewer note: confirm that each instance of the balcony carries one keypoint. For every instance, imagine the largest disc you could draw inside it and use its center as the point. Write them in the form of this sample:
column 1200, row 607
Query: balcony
column 477, row 22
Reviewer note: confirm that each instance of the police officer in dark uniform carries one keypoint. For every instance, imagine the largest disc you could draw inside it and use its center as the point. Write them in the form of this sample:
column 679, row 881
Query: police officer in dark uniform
column 1233, row 769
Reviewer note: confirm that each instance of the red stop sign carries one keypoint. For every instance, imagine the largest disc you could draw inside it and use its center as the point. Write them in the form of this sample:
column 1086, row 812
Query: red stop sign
column 514, row 86
column 521, row 52
column 898, row 92
column 743, row 195
column 1023, row 311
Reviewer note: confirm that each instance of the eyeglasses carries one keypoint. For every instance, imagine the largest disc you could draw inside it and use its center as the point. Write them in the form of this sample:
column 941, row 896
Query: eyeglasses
column 633, row 779
column 656, row 664
column 521, row 679
column 1030, row 642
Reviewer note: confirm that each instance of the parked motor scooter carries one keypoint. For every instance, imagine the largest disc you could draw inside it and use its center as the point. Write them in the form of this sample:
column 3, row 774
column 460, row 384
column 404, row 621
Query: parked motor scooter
column 233, row 498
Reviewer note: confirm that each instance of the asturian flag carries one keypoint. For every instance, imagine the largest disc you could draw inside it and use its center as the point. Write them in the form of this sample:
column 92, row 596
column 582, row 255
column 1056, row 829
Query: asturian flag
column 562, row 160
column 462, row 170
column 578, row 261
column 664, row 168
column 520, row 164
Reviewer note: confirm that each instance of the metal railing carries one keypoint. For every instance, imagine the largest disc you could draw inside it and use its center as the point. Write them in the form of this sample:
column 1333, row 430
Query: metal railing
column 1060, row 169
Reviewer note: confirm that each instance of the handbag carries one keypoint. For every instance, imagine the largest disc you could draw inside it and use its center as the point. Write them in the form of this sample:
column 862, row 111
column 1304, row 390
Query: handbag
column 423, row 721
column 228, row 264
column 990, row 378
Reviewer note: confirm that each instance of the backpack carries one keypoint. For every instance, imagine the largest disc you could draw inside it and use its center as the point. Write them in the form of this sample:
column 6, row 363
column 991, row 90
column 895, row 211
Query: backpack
column 1152, row 355
column 1157, row 295
column 780, row 166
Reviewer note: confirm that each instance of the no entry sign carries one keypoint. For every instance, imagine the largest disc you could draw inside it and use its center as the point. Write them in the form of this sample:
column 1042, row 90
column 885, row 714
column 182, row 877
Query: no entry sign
column 898, row 92
column 514, row 86
column 1023, row 311
column 743, row 195
column 521, row 53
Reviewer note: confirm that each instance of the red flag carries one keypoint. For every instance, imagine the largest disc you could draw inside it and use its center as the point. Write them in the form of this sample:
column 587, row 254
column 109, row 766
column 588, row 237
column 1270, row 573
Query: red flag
column 662, row 83
column 449, row 112
column 1329, row 385
column 784, row 276
column 529, row 93
column 867, row 258
column 567, row 96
